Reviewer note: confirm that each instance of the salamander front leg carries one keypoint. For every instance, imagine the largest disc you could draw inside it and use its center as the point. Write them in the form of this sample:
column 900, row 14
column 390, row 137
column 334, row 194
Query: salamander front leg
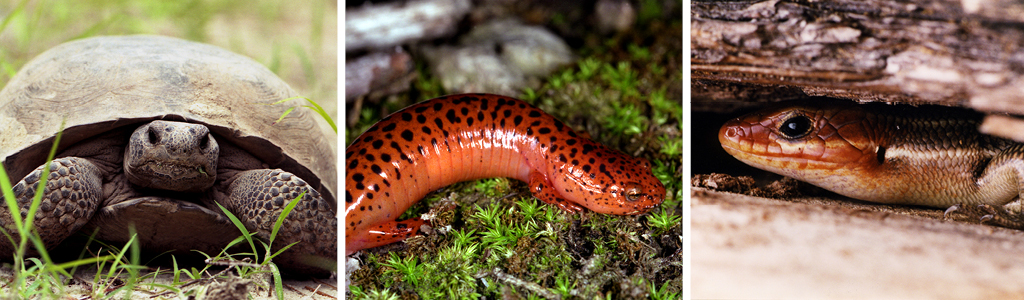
column 542, row 189
column 382, row 234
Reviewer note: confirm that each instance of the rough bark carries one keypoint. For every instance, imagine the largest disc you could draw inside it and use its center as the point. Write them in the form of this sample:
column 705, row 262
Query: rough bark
column 945, row 52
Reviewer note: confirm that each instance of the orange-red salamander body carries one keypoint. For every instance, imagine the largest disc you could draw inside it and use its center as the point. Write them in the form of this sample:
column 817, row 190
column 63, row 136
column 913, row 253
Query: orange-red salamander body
column 929, row 155
column 456, row 138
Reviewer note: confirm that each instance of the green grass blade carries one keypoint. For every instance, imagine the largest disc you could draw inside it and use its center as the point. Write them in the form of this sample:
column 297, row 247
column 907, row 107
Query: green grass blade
column 241, row 227
column 278, row 283
column 315, row 107
column 284, row 213
column 285, row 114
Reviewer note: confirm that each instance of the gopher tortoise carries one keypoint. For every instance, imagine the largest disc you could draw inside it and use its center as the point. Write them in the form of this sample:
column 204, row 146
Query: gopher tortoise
column 156, row 131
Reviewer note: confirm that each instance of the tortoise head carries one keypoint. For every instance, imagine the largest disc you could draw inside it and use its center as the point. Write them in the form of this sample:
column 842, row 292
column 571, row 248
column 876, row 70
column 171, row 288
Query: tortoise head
column 174, row 156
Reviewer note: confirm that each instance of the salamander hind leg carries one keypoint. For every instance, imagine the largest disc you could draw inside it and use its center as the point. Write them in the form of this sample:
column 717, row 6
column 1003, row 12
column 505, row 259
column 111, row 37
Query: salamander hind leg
column 542, row 189
column 382, row 234
column 69, row 200
column 257, row 198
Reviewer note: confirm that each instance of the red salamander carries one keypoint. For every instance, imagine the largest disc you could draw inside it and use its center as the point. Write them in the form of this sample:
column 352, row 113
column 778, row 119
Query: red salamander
column 457, row 138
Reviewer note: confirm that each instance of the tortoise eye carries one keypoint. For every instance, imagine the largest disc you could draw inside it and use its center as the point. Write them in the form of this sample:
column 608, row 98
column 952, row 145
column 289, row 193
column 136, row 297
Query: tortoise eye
column 796, row 127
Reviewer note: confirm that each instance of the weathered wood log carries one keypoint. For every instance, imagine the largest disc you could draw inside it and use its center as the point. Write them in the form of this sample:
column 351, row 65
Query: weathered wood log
column 942, row 52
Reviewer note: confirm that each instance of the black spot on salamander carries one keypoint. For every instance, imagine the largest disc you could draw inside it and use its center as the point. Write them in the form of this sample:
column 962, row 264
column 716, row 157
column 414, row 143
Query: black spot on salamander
column 406, row 116
column 421, row 119
column 360, row 186
column 353, row 164
column 501, row 123
column 535, row 114
column 387, row 183
column 348, row 197
column 385, row 157
column 421, row 151
column 529, row 130
column 517, row 120
column 469, row 121
column 368, row 138
column 483, row 104
column 439, row 123
column 421, row 109
column 362, row 151
column 480, row 116
column 570, row 142
column 452, row 118
column 575, row 162
column 587, row 148
column 377, row 144
column 464, row 111
column 507, row 113
column 438, row 106
column 605, row 171
column 544, row 130
column 407, row 135
column 389, row 127
column 369, row 157
column 376, row 169
column 426, row 129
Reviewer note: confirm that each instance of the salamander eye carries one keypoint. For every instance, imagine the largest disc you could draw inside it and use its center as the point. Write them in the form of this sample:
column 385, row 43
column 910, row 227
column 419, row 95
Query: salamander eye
column 796, row 127
column 633, row 192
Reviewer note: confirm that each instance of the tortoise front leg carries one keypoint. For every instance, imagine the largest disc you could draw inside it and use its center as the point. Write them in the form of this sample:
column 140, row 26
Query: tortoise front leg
column 257, row 198
column 70, row 198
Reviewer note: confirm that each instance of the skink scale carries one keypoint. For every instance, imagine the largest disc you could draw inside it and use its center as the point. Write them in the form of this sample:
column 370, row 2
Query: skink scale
column 929, row 156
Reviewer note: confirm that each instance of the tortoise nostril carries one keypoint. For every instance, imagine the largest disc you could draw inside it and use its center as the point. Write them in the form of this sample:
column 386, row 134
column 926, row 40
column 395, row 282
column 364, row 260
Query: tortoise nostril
column 204, row 143
column 152, row 136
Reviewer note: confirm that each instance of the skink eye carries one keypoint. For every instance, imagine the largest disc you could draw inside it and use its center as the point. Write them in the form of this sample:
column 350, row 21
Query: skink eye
column 796, row 127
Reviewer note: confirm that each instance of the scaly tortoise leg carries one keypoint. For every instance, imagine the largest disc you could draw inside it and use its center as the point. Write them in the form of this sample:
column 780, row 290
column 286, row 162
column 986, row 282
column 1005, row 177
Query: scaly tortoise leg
column 70, row 198
column 259, row 196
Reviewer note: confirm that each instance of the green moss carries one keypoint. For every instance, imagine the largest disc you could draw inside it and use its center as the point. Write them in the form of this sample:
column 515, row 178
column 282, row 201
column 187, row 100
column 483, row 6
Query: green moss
column 624, row 92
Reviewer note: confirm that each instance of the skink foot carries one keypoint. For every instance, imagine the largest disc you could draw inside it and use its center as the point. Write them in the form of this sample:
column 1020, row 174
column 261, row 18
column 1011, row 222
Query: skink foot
column 985, row 214
column 955, row 207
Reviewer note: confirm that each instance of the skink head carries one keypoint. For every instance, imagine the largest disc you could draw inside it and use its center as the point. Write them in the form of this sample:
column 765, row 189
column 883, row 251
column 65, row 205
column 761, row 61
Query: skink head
column 803, row 140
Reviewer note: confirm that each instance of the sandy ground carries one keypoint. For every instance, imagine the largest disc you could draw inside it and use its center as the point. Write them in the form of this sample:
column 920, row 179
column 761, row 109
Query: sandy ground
column 749, row 247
